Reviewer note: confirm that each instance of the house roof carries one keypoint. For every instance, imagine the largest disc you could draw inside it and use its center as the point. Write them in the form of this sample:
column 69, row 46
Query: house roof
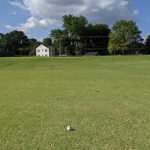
column 42, row 46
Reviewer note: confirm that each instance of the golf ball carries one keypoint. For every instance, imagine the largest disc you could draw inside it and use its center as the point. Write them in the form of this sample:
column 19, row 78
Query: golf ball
column 69, row 128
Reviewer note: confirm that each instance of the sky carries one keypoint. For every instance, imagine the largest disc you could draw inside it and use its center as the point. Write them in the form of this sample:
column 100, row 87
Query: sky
column 38, row 17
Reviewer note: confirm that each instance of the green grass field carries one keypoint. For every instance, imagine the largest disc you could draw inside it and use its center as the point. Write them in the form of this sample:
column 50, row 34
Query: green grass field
column 105, row 99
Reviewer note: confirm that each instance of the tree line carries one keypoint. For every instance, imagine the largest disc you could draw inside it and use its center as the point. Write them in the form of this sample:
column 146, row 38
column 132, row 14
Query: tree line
column 17, row 43
column 78, row 37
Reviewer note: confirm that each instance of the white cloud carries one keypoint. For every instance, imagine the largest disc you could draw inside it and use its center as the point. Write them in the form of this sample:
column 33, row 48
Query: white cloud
column 17, row 4
column 96, row 11
column 31, row 23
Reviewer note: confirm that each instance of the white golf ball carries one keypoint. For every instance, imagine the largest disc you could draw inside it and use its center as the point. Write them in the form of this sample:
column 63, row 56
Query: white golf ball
column 69, row 128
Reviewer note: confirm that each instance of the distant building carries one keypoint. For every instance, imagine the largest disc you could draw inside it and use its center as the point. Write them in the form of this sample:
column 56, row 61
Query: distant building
column 91, row 53
column 42, row 51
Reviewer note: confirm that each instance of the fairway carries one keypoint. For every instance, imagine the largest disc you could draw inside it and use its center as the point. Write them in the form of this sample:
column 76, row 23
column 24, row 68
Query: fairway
column 105, row 99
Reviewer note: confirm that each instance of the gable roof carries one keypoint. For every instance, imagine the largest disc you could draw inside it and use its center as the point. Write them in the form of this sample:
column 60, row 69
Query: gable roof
column 42, row 46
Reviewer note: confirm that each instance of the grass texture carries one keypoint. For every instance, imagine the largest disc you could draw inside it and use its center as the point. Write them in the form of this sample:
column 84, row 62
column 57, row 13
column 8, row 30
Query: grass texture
column 105, row 99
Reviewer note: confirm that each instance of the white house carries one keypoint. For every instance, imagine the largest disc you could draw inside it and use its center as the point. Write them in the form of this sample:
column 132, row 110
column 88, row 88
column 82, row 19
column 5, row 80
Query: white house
column 42, row 51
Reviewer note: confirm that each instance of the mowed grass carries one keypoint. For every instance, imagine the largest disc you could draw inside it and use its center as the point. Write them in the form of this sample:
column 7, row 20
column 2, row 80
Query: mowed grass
column 105, row 99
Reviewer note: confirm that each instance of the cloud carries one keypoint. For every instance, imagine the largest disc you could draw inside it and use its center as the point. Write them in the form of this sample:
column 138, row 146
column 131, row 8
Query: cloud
column 31, row 23
column 17, row 4
column 105, row 11
column 51, row 11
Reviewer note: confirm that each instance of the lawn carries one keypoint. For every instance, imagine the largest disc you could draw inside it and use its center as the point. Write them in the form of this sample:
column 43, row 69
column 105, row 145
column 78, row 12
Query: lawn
column 105, row 99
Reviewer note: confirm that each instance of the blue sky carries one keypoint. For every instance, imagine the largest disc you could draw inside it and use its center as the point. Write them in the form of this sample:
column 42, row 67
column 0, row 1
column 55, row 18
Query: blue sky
column 143, row 18
column 29, row 15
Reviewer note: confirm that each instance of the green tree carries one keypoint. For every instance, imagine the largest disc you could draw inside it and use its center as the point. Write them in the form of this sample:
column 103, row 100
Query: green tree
column 2, row 45
column 2, row 42
column 58, row 36
column 79, row 47
column 74, row 25
column 31, row 48
column 1, row 35
column 15, row 42
column 147, row 45
column 47, row 41
column 77, row 34
column 122, row 35
column 98, row 37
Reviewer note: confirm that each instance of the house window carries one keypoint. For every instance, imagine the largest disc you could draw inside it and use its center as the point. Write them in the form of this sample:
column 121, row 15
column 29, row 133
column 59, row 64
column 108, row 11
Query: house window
column 45, row 50
column 38, row 50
